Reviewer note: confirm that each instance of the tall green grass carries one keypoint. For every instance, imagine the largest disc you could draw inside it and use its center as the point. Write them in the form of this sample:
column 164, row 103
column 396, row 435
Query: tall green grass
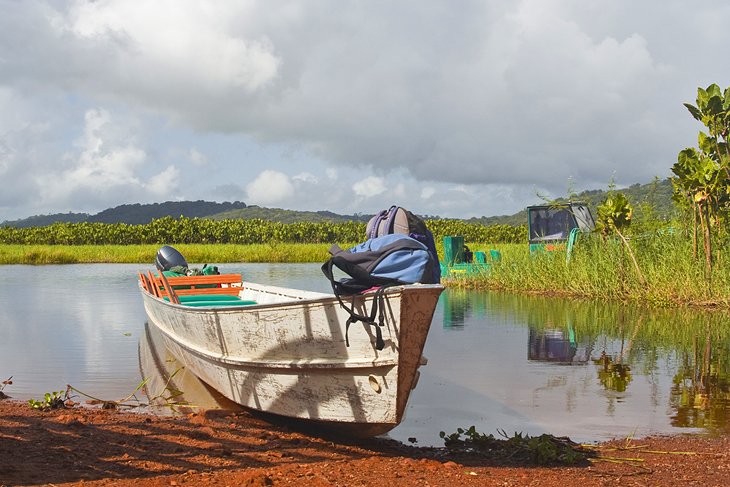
column 601, row 269
column 134, row 254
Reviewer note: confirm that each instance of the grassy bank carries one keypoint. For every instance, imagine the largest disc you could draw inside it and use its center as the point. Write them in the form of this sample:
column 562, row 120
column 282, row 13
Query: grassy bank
column 597, row 270
column 603, row 270
column 135, row 254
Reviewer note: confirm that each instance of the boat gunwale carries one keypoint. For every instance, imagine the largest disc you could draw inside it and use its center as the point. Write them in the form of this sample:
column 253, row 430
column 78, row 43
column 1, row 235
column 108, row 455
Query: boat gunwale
column 321, row 299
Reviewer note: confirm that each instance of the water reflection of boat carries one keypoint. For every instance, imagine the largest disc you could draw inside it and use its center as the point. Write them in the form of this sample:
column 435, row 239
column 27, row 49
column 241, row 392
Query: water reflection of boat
column 169, row 386
column 288, row 351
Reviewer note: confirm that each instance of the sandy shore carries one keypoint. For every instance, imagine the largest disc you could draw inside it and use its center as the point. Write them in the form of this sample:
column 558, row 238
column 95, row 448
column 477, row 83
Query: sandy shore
column 85, row 446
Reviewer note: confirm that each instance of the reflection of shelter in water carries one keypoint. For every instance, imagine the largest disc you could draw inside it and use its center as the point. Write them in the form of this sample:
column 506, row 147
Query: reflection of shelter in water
column 558, row 346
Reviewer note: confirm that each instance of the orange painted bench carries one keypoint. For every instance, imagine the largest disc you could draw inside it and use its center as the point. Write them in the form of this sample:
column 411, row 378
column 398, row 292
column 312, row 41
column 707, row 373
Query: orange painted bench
column 217, row 284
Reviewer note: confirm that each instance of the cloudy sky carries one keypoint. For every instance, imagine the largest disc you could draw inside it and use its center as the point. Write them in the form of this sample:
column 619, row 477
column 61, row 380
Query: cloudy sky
column 450, row 108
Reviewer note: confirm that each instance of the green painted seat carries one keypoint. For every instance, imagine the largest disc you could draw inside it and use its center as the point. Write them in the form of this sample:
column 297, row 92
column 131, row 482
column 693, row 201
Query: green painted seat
column 222, row 304
column 208, row 300
column 187, row 298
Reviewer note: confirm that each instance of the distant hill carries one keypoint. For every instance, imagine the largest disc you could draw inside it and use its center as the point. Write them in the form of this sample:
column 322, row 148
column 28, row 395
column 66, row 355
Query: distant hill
column 45, row 220
column 286, row 216
column 133, row 214
column 658, row 194
column 137, row 214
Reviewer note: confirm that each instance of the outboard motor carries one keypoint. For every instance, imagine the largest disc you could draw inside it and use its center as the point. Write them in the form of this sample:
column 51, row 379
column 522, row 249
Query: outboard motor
column 168, row 257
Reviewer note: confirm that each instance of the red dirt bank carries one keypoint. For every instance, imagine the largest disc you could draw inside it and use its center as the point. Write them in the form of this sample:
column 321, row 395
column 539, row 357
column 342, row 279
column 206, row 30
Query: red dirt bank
column 93, row 447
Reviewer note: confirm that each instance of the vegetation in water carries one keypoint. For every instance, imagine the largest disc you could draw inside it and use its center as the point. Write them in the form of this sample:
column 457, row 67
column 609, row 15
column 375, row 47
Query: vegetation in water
column 51, row 400
column 169, row 396
column 3, row 385
column 543, row 449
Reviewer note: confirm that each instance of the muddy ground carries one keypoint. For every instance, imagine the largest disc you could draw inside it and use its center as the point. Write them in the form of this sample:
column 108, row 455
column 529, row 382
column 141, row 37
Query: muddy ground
column 90, row 446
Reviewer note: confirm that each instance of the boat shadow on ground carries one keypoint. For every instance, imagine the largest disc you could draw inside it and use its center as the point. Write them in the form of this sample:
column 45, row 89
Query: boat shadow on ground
column 71, row 445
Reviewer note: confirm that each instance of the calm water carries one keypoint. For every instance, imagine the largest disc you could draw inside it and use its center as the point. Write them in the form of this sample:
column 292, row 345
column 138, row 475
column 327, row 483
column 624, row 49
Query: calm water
column 591, row 371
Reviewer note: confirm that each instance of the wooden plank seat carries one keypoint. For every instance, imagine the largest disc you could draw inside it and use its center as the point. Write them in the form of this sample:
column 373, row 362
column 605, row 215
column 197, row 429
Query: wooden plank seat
column 213, row 284
column 198, row 291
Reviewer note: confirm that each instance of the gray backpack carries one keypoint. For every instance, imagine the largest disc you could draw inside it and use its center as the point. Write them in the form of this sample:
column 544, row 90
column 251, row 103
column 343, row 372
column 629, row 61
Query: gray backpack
column 399, row 220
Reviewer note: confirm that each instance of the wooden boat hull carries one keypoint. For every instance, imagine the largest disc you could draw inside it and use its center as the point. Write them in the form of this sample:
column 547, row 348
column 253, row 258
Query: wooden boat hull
column 287, row 355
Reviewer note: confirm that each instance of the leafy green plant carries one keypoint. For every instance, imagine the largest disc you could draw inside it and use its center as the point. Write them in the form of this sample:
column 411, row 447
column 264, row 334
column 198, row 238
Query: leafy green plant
column 614, row 216
column 472, row 438
column 702, row 175
column 543, row 449
column 51, row 400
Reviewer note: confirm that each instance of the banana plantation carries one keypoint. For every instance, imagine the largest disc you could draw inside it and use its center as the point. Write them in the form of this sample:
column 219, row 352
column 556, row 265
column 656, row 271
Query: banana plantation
column 243, row 232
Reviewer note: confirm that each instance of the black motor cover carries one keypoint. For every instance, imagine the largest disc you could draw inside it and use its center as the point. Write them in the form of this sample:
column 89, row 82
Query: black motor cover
column 168, row 257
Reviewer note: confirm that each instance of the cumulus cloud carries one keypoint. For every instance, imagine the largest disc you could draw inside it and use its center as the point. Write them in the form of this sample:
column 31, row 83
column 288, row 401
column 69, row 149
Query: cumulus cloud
column 306, row 177
column 159, row 185
column 104, row 169
column 196, row 46
column 369, row 187
column 269, row 188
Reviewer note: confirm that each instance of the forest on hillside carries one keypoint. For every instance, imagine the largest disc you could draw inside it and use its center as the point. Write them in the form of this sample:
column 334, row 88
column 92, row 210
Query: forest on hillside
column 657, row 194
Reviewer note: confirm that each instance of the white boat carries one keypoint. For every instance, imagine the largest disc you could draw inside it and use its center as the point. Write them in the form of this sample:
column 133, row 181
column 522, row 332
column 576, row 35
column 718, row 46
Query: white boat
column 285, row 351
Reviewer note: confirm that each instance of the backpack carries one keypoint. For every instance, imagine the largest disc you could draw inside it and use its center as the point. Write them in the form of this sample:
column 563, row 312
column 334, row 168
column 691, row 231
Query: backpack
column 378, row 262
column 180, row 270
column 399, row 220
